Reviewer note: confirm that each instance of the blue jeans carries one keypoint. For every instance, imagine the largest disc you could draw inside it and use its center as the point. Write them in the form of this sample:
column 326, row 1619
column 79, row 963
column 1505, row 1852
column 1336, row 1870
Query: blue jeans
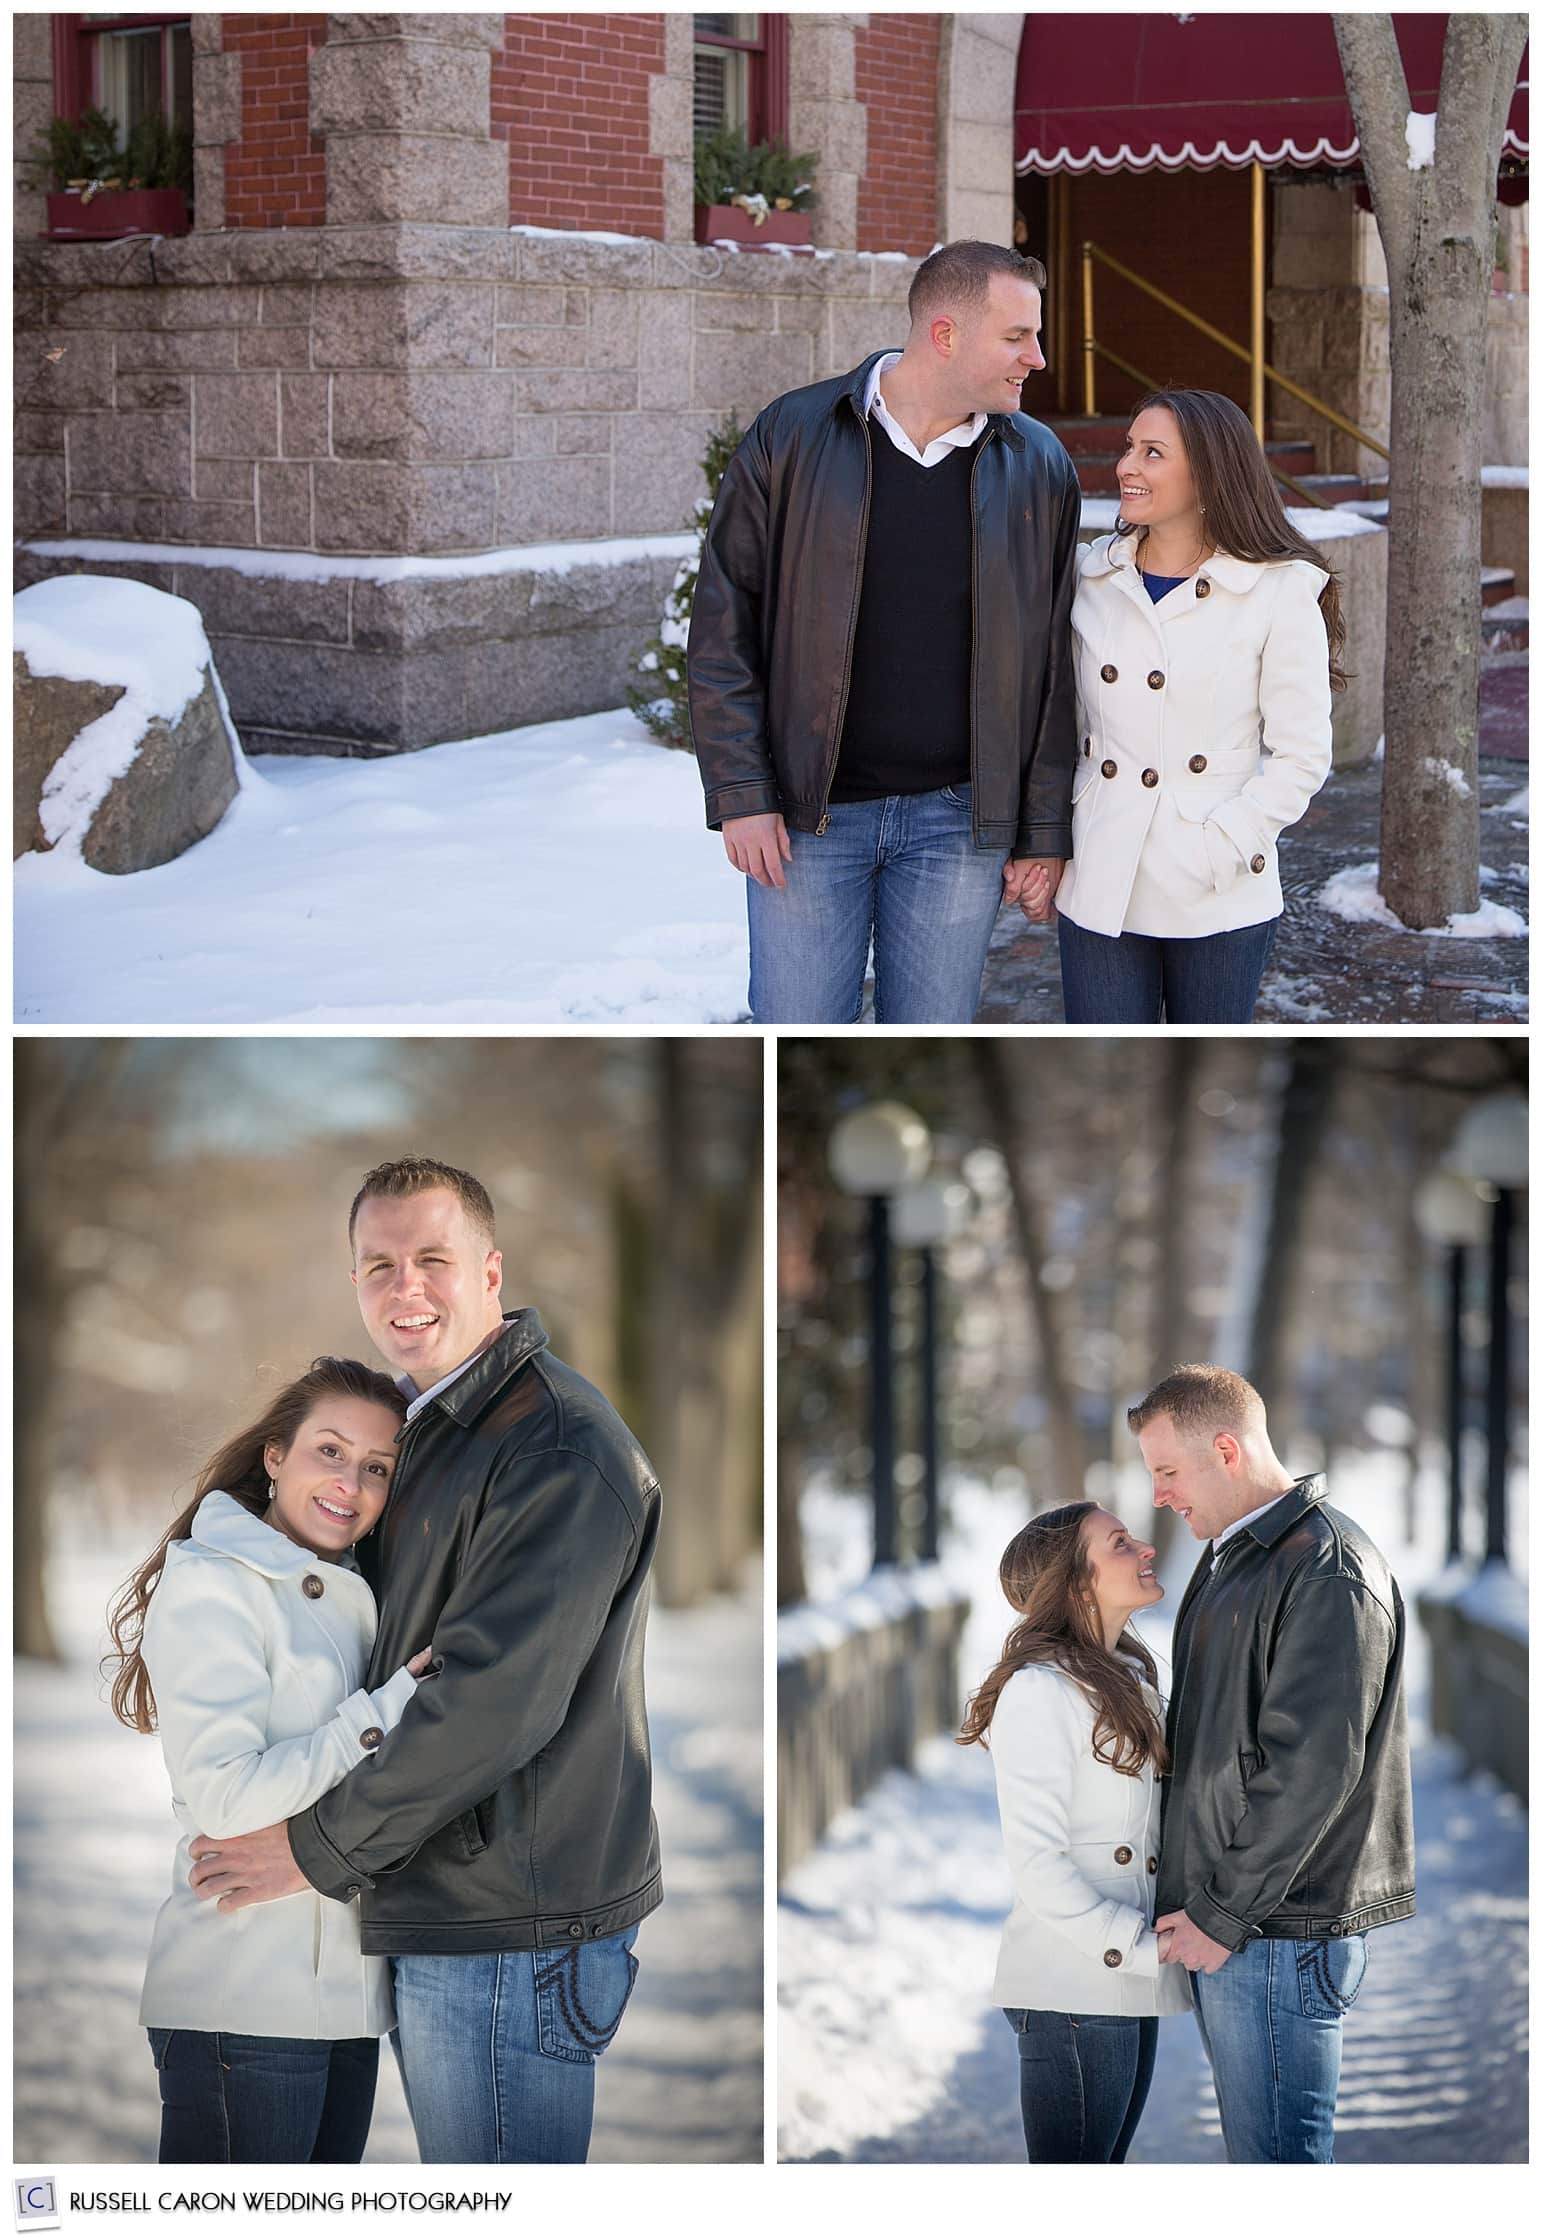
column 1132, row 980
column 1272, row 2024
column 288, row 2100
column 497, row 2048
column 902, row 874
column 1083, row 2080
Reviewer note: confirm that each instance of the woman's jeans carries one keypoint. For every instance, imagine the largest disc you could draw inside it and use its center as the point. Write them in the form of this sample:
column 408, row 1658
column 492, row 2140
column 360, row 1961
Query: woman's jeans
column 1132, row 980
column 287, row 2100
column 902, row 874
column 497, row 2048
column 1084, row 2079
column 1272, row 2024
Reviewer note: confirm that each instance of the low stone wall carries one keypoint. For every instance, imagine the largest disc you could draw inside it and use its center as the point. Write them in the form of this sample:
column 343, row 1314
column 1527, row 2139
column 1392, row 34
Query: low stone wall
column 860, row 1681
column 1479, row 1668
column 408, row 392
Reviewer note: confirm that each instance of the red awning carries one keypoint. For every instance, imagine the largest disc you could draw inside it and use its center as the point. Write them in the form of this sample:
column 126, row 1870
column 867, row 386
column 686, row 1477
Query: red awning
column 1194, row 92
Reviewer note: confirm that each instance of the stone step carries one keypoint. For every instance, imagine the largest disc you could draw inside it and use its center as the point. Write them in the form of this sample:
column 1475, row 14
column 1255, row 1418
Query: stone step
column 1505, row 627
column 1498, row 585
column 1338, row 489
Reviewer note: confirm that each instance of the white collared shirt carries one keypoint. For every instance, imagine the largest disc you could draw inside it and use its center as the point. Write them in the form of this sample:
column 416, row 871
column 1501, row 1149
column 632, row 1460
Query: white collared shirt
column 956, row 438
column 1231, row 1529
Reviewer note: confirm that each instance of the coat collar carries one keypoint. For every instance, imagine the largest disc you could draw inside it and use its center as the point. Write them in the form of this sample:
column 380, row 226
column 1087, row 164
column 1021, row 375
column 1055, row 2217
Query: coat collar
column 463, row 1400
column 853, row 389
column 1111, row 554
column 223, row 1526
column 1287, row 1511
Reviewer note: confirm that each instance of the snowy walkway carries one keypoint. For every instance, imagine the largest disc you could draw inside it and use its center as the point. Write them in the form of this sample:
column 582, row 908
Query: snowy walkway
column 561, row 874
column 888, row 1933
column 94, row 1839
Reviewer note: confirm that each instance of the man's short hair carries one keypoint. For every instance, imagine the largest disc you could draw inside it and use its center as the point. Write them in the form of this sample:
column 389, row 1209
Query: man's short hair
column 957, row 278
column 410, row 1177
column 1201, row 1400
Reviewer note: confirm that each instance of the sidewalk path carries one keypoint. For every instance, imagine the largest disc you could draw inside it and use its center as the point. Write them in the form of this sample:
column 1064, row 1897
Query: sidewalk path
column 1325, row 968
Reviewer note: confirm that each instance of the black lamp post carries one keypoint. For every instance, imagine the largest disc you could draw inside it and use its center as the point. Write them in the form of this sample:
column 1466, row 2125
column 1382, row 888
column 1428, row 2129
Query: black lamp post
column 874, row 1153
column 1451, row 1214
column 926, row 1215
column 1491, row 1149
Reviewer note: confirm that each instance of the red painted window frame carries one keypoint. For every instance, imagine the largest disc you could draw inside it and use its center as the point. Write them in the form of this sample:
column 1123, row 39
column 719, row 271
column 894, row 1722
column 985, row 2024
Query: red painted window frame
column 73, row 72
column 768, row 98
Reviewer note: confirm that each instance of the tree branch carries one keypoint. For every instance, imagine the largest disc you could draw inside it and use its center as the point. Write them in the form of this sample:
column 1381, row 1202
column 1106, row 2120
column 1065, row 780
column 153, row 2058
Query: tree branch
column 1377, row 86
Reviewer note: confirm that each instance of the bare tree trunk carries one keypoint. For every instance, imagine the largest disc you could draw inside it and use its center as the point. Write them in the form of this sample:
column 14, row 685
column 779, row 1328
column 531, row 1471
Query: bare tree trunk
column 998, row 1089
column 1437, row 227
column 1305, row 1102
column 1170, row 1319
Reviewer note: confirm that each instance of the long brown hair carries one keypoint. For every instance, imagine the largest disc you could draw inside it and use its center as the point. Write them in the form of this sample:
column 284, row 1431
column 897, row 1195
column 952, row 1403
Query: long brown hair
column 1045, row 1573
column 1243, row 512
column 239, row 1469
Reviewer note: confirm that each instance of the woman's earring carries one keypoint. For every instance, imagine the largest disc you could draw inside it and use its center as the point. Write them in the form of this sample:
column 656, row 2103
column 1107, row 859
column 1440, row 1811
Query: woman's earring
column 272, row 1489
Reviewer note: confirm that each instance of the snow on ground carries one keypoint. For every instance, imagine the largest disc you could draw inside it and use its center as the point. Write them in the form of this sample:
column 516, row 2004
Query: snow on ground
column 93, row 1848
column 561, row 874
column 1354, row 894
column 888, row 1933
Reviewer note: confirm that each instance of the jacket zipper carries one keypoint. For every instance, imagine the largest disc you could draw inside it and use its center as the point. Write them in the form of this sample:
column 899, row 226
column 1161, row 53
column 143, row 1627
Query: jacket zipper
column 823, row 824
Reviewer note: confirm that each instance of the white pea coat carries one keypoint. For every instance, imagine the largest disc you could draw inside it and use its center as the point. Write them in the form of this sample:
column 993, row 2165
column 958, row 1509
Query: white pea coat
column 1081, row 1842
column 256, row 1649
column 1204, row 727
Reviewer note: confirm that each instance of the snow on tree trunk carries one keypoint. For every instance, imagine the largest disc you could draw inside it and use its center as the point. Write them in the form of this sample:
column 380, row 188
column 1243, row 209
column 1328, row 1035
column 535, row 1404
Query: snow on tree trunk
column 1437, row 226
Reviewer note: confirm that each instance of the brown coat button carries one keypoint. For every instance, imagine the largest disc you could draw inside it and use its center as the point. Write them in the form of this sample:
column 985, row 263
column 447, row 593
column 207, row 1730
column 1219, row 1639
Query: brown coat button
column 1109, row 673
column 1198, row 764
column 1123, row 1854
column 371, row 1737
column 1202, row 588
column 1150, row 1864
column 1148, row 778
column 1258, row 863
column 1110, row 769
column 1156, row 679
column 1112, row 1958
column 312, row 1588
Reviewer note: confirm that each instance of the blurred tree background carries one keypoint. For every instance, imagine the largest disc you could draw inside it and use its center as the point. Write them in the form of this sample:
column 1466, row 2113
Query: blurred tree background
column 181, row 1247
column 1138, row 1202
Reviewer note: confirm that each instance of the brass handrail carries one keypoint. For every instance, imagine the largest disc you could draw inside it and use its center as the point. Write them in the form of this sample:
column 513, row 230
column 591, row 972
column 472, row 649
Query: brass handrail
column 1144, row 380
column 1091, row 346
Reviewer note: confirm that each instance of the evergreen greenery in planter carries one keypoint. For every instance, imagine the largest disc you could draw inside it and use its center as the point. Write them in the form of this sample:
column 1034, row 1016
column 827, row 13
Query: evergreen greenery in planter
column 731, row 172
column 662, row 706
column 84, row 151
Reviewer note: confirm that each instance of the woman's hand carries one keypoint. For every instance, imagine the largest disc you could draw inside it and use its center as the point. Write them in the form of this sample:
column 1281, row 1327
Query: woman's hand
column 421, row 1661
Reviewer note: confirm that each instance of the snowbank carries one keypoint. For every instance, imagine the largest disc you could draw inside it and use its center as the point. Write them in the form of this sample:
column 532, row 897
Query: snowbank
column 1355, row 895
column 560, row 874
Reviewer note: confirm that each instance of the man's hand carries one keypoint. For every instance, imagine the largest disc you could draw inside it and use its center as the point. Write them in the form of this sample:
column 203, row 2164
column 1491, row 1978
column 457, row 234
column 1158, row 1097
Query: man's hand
column 758, row 845
column 1188, row 1945
column 1030, row 881
column 246, row 1868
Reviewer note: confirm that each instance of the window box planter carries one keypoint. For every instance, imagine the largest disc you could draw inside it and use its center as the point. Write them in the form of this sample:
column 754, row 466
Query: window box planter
column 116, row 213
column 725, row 221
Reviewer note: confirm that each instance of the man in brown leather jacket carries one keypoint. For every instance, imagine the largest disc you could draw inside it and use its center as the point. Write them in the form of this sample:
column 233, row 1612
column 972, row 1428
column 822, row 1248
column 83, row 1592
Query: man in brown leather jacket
column 881, row 687
column 500, row 1840
column 1287, row 1813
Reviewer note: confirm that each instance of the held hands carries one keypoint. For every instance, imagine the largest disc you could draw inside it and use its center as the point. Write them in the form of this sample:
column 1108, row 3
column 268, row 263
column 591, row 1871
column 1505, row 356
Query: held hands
column 758, row 845
column 1031, row 881
column 420, row 1662
column 1181, row 1943
column 246, row 1869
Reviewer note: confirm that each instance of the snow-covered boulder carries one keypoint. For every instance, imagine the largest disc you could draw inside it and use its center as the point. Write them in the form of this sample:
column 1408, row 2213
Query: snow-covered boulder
column 124, row 749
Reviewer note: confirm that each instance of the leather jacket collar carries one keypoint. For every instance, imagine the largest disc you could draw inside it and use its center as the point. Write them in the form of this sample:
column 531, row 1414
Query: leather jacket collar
column 472, row 1392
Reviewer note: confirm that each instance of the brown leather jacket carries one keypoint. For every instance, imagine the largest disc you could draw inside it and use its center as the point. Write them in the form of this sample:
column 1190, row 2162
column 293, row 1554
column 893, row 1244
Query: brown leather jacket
column 775, row 614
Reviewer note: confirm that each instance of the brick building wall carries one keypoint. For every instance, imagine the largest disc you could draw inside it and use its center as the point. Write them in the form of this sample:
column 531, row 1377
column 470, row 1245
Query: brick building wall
column 276, row 173
column 896, row 80
column 570, row 96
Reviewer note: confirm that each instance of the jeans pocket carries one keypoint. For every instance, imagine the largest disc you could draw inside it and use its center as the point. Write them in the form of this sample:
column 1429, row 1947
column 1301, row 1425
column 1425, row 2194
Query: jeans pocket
column 161, row 2041
column 958, row 796
column 1016, row 2018
column 581, row 1994
column 1329, row 1975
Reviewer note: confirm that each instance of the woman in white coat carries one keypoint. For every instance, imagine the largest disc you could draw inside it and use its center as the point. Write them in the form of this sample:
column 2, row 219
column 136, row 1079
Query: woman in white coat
column 1208, row 641
column 1073, row 1722
column 244, row 1640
